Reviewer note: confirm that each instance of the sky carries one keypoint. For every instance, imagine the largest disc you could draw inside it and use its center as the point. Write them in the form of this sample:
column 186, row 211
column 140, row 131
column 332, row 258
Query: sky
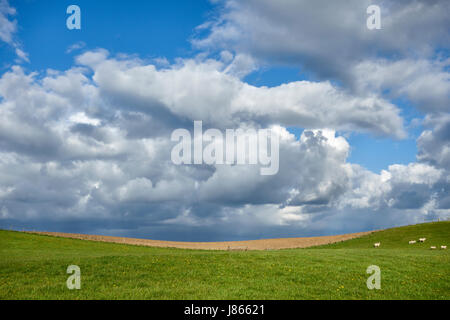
column 86, row 116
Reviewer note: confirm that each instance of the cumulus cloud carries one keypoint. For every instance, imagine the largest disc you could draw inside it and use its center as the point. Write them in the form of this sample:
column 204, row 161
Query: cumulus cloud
column 90, row 152
column 434, row 144
column 423, row 82
column 330, row 40
column 326, row 37
column 88, row 149
column 193, row 90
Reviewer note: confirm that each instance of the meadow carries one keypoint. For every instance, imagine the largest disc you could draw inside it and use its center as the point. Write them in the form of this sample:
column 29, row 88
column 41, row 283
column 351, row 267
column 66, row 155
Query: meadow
column 34, row 267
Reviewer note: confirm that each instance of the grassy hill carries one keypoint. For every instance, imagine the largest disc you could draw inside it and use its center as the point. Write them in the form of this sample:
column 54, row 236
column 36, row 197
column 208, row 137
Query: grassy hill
column 34, row 267
column 436, row 233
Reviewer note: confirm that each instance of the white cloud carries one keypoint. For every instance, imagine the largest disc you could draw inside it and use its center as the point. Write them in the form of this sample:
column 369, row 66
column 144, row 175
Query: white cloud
column 81, row 118
column 194, row 90
column 326, row 37
column 76, row 46
column 434, row 144
column 8, row 28
column 95, row 148
column 425, row 83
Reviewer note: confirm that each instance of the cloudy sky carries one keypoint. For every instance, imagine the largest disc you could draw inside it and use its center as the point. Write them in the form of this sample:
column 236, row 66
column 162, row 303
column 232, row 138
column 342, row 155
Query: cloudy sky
column 86, row 116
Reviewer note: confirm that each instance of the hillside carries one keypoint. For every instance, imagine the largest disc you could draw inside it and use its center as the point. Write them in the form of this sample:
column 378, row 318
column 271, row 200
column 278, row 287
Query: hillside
column 34, row 267
column 436, row 233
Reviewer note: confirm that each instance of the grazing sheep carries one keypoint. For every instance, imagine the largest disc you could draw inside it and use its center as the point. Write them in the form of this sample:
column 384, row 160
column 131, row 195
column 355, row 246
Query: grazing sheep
column 412, row 241
column 422, row 239
column 443, row 247
column 432, row 247
column 376, row 245
column 237, row 248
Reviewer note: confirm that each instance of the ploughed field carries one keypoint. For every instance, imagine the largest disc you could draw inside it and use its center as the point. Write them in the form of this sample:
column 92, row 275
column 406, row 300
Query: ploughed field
column 33, row 266
column 267, row 244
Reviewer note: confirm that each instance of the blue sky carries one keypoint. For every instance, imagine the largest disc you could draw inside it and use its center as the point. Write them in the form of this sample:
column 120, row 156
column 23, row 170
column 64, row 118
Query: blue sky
column 83, row 148
column 147, row 28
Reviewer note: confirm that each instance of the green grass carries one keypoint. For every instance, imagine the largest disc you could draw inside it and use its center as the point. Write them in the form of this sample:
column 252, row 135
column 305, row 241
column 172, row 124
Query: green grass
column 436, row 233
column 34, row 267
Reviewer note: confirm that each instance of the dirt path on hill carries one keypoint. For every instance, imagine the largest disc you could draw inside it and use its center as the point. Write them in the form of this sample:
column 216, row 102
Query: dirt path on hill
column 267, row 244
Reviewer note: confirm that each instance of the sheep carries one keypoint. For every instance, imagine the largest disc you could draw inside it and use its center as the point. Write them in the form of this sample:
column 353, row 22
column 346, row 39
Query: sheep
column 432, row 247
column 376, row 245
column 443, row 247
column 412, row 241
column 237, row 248
column 422, row 239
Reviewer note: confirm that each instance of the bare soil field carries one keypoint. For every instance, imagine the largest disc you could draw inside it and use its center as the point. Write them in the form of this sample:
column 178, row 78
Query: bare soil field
column 266, row 244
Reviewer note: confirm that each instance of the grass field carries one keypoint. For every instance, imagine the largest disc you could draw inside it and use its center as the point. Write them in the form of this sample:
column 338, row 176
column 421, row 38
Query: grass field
column 34, row 267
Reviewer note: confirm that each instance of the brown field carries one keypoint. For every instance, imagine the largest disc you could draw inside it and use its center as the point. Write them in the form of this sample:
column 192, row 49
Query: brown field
column 266, row 244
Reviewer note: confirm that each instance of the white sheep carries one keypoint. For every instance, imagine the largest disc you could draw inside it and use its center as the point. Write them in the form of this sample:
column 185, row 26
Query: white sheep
column 412, row 241
column 422, row 239
column 432, row 247
column 443, row 247
column 376, row 245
